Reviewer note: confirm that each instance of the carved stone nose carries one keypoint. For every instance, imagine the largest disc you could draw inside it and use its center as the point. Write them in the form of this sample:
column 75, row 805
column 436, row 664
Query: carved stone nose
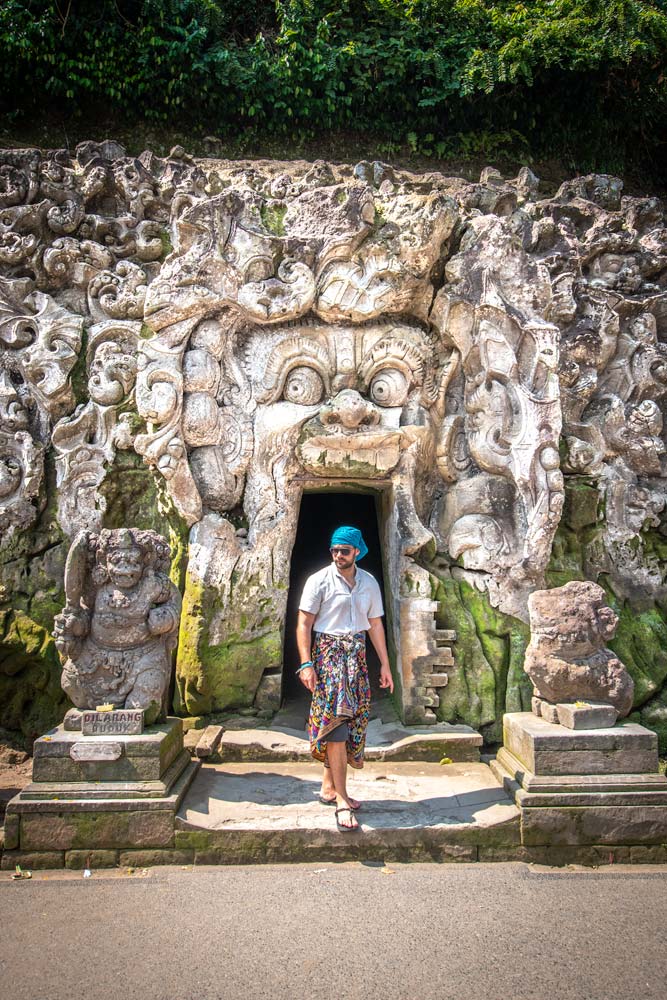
column 350, row 409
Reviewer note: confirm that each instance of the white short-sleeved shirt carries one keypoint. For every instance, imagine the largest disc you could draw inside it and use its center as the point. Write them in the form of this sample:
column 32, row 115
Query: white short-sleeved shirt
column 338, row 608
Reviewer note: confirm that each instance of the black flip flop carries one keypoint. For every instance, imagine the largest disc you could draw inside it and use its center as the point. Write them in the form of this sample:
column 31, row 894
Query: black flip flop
column 327, row 802
column 345, row 829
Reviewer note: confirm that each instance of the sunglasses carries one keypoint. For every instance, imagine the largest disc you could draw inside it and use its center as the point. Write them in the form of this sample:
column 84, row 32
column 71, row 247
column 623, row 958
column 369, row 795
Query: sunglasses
column 342, row 550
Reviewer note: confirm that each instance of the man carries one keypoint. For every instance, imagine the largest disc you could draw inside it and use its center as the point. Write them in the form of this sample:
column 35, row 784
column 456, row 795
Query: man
column 340, row 603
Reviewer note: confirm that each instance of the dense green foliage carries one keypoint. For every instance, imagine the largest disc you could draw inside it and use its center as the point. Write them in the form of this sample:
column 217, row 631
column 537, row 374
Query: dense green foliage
column 574, row 78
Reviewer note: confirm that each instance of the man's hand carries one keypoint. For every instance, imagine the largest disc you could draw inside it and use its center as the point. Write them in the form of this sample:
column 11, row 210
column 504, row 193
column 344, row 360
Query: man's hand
column 386, row 680
column 308, row 678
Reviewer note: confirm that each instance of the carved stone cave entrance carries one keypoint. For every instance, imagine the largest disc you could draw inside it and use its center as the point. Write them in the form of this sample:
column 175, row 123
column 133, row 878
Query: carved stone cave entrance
column 321, row 511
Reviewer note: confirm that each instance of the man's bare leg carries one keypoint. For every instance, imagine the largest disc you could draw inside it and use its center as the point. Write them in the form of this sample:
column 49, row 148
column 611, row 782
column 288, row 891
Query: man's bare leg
column 328, row 790
column 337, row 758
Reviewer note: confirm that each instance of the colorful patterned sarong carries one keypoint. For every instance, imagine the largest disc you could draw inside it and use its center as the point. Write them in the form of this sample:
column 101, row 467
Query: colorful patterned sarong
column 342, row 694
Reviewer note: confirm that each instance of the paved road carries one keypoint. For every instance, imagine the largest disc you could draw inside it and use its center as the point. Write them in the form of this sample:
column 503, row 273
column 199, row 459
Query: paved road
column 414, row 932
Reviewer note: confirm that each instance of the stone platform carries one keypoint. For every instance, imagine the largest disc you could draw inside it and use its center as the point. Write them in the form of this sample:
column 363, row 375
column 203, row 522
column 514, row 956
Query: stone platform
column 92, row 794
column 583, row 787
column 244, row 813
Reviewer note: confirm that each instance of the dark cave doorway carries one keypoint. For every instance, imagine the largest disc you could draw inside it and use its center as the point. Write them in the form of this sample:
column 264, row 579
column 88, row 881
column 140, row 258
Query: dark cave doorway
column 320, row 514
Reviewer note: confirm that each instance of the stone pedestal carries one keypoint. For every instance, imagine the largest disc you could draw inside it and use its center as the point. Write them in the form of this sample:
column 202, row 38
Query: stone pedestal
column 98, row 794
column 583, row 787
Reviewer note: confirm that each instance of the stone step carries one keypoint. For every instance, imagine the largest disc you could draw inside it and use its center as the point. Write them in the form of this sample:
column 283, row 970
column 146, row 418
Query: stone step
column 384, row 742
column 209, row 741
column 261, row 812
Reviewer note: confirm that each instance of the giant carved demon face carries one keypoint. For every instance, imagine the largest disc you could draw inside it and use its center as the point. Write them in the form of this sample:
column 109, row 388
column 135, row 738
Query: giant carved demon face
column 360, row 396
column 312, row 400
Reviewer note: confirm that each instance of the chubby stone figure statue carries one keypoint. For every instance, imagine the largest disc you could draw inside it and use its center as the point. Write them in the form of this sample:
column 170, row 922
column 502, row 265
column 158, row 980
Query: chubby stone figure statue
column 567, row 660
column 120, row 624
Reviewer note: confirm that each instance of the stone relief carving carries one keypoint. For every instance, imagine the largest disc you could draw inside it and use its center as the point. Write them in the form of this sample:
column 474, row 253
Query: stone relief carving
column 39, row 344
column 120, row 624
column 567, row 659
column 86, row 441
column 252, row 330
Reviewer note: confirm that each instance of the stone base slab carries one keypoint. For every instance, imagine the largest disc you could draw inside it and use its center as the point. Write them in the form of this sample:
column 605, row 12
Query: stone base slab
column 64, row 790
column 85, row 824
column 63, row 756
column 561, row 807
column 547, row 749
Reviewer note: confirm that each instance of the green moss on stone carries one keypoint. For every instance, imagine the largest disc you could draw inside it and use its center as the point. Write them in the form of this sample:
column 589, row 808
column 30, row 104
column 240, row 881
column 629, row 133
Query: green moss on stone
column 31, row 699
column 212, row 676
column 640, row 643
column 167, row 246
column 489, row 650
column 32, row 565
column 79, row 376
column 273, row 217
column 581, row 504
column 135, row 495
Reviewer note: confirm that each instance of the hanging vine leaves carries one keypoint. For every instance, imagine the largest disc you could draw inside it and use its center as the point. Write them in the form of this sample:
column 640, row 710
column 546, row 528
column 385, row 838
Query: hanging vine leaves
column 553, row 76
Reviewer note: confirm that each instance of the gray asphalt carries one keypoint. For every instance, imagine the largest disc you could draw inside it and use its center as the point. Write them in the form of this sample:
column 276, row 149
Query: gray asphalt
column 332, row 932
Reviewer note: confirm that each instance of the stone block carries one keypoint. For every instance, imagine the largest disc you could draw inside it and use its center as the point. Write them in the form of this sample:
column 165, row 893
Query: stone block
column 268, row 692
column 31, row 860
column 546, row 749
column 72, row 722
column 595, row 715
column 149, row 858
column 67, row 756
column 594, row 825
column 96, row 829
column 11, row 831
column 124, row 722
column 78, row 860
column 208, row 741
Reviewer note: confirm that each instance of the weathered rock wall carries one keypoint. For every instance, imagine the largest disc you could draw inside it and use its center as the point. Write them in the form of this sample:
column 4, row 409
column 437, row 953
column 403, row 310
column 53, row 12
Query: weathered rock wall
column 189, row 345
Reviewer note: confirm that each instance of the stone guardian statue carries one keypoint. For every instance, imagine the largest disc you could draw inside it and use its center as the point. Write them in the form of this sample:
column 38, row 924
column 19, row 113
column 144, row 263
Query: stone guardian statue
column 567, row 659
column 120, row 623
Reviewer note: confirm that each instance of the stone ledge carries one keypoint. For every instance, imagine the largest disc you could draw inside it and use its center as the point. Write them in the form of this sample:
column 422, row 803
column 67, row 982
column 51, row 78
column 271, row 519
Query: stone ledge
column 39, row 791
column 584, row 825
column 55, row 805
column 544, row 735
column 150, row 858
column 32, row 860
column 142, row 758
column 97, row 824
column 78, row 860
column 578, row 790
column 390, row 742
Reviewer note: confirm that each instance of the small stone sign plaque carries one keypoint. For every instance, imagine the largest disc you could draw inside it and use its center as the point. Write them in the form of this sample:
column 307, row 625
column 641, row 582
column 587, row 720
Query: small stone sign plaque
column 87, row 752
column 122, row 722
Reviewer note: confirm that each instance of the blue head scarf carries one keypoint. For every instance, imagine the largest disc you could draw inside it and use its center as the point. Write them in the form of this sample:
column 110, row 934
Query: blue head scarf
column 346, row 535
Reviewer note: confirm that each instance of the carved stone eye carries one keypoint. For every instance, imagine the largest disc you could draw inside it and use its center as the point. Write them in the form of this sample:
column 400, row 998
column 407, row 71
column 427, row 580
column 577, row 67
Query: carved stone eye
column 303, row 385
column 389, row 388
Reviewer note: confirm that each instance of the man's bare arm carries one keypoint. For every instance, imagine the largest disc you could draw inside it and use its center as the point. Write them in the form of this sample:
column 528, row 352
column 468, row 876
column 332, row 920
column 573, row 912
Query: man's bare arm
column 376, row 633
column 304, row 634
